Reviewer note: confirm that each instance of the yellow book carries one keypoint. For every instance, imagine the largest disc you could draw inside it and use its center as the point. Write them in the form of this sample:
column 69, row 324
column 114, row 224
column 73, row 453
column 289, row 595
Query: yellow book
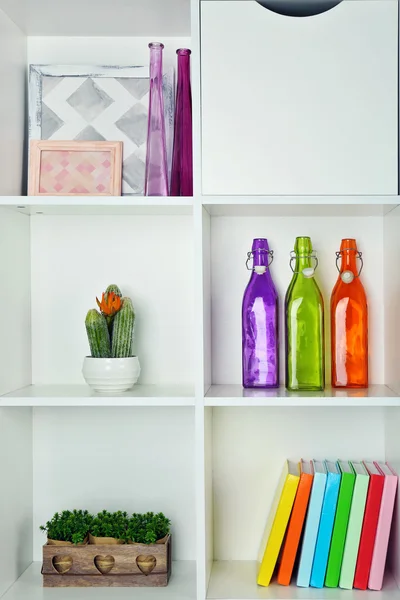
column 277, row 521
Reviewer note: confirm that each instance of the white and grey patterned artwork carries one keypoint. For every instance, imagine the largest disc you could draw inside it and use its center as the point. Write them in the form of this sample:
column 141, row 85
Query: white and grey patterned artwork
column 97, row 104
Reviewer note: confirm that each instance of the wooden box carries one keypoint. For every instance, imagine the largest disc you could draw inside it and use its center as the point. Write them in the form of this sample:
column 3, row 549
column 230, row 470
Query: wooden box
column 127, row 565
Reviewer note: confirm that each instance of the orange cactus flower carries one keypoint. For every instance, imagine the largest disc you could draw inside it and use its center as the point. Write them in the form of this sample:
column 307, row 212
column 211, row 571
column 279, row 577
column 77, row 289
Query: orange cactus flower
column 109, row 304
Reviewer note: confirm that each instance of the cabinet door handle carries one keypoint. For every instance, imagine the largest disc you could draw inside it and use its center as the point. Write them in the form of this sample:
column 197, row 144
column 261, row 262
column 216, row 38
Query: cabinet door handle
column 299, row 8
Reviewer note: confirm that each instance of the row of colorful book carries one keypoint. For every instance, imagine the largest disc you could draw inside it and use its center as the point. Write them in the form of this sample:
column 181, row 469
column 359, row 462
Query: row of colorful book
column 333, row 519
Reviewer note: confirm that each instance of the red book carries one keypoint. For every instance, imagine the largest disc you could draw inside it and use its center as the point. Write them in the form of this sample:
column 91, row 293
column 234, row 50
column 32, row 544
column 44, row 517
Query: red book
column 370, row 524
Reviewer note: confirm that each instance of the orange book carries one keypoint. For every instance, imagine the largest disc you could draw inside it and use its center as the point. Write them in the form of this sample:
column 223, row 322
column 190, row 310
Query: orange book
column 296, row 523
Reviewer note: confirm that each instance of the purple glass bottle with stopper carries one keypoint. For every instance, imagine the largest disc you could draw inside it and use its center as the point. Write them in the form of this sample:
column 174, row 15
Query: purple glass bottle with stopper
column 260, row 339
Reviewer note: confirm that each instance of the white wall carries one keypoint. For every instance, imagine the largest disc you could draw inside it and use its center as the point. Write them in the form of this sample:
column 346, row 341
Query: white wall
column 15, row 494
column 250, row 446
column 15, row 317
column 75, row 258
column 100, row 50
column 15, row 424
column 138, row 460
column 393, row 457
column 12, row 113
column 135, row 17
column 231, row 239
column 392, row 296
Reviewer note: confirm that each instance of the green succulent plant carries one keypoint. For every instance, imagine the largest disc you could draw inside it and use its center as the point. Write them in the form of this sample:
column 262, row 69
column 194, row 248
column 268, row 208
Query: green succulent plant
column 69, row 526
column 106, row 524
column 147, row 528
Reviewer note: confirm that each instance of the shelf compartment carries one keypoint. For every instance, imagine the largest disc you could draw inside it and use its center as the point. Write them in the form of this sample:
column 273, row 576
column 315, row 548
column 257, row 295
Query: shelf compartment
column 83, row 395
column 74, row 258
column 246, row 449
column 182, row 586
column 99, row 205
column 229, row 239
column 236, row 395
column 236, row 580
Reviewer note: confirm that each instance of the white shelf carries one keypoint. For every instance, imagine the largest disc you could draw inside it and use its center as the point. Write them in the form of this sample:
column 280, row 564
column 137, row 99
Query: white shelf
column 236, row 395
column 236, row 580
column 315, row 206
column 78, row 17
column 82, row 395
column 99, row 205
column 182, row 586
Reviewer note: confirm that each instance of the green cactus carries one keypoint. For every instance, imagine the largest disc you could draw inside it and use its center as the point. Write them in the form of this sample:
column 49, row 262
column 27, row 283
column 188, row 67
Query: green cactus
column 98, row 335
column 113, row 288
column 123, row 330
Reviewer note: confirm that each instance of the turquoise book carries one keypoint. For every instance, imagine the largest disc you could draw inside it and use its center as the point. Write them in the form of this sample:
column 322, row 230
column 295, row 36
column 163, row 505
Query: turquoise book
column 327, row 520
column 312, row 524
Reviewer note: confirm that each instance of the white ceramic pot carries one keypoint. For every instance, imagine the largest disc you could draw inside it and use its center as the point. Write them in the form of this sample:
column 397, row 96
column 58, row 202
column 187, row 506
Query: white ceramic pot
column 111, row 375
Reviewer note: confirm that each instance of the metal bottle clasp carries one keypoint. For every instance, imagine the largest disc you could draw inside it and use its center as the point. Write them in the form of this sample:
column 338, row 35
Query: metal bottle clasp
column 250, row 255
column 358, row 255
column 312, row 256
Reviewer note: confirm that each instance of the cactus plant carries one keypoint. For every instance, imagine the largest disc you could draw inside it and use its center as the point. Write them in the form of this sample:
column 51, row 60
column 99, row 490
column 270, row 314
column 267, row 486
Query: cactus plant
column 98, row 335
column 121, row 346
column 110, row 331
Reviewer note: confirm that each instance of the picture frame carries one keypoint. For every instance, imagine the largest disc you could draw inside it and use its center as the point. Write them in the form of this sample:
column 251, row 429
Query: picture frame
column 75, row 168
column 100, row 103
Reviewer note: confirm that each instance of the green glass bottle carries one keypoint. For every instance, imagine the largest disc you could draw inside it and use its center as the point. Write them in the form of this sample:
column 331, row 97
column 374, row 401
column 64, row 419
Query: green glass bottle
column 304, row 320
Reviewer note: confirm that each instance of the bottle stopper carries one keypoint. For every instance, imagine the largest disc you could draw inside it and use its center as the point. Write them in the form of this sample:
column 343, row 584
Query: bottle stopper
column 308, row 273
column 347, row 276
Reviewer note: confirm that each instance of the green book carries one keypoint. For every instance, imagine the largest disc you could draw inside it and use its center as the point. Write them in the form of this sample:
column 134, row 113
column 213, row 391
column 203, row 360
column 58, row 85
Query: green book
column 355, row 525
column 340, row 526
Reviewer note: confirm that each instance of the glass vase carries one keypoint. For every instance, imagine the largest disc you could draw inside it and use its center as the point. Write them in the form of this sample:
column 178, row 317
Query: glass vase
column 182, row 162
column 260, row 351
column 156, row 178
column 349, row 321
column 304, row 320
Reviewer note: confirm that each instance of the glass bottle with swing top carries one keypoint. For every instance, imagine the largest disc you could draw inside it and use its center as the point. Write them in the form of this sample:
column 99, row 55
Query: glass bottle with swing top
column 304, row 322
column 349, row 321
column 260, row 339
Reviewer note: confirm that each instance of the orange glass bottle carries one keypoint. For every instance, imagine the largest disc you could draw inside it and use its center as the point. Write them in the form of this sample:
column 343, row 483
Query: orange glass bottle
column 349, row 321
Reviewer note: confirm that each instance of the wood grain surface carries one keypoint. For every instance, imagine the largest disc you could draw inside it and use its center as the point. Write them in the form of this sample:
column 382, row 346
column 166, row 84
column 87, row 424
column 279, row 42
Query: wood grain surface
column 120, row 565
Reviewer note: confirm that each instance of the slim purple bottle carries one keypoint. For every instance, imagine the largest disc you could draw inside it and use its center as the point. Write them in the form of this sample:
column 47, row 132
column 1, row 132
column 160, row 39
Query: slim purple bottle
column 182, row 162
column 156, row 178
column 260, row 339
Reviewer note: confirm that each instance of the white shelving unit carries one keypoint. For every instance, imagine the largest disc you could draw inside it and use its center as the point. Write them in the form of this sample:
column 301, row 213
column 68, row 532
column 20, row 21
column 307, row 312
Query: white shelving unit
column 188, row 440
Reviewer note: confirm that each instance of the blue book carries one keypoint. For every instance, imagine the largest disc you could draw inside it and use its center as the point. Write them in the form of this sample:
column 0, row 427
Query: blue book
column 312, row 524
column 326, row 525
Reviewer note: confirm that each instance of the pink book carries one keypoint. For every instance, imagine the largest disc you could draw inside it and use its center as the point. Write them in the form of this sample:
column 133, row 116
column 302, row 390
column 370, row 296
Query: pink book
column 384, row 524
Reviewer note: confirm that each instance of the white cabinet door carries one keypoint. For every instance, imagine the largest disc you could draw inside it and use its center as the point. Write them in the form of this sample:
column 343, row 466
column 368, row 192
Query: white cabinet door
column 299, row 105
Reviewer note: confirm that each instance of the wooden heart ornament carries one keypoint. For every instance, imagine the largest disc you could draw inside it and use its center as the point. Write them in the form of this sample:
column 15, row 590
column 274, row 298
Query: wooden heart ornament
column 104, row 564
column 62, row 564
column 146, row 563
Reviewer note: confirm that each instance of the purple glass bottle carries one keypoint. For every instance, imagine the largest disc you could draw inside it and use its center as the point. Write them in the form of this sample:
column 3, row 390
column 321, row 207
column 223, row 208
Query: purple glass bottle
column 182, row 162
column 156, row 181
column 260, row 339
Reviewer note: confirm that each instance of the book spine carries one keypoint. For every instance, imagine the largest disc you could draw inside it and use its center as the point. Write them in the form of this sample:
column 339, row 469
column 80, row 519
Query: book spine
column 311, row 530
column 368, row 532
column 340, row 530
column 382, row 533
column 352, row 542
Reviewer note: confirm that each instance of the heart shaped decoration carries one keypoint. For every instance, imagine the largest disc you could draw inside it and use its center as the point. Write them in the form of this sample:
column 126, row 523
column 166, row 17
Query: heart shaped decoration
column 104, row 564
column 62, row 564
column 146, row 563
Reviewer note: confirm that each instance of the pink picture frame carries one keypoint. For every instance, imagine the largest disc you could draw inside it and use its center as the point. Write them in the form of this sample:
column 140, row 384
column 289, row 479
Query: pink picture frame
column 75, row 168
